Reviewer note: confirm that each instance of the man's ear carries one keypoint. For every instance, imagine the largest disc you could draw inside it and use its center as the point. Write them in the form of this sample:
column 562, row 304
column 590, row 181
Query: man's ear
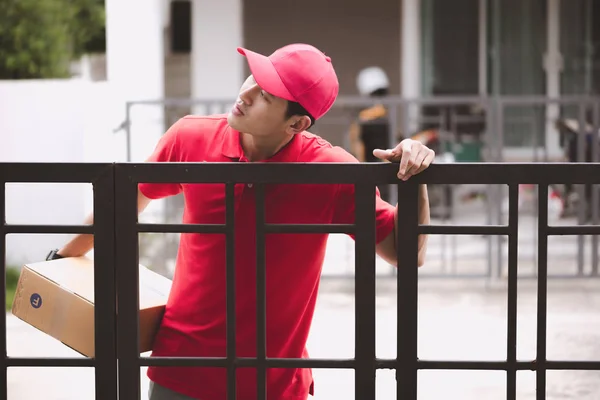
column 299, row 123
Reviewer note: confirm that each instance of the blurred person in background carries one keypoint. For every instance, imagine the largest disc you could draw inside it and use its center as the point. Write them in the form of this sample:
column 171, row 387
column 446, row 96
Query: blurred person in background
column 371, row 129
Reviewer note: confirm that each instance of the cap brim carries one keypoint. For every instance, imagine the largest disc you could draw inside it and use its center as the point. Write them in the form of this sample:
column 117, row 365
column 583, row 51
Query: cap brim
column 265, row 74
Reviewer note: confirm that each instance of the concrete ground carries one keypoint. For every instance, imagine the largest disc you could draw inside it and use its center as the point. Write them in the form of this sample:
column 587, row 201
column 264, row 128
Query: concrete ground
column 459, row 319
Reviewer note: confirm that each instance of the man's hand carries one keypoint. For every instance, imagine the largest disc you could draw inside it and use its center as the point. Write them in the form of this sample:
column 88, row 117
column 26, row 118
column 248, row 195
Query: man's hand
column 413, row 156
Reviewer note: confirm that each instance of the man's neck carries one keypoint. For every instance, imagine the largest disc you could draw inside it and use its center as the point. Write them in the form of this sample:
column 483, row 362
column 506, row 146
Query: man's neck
column 259, row 149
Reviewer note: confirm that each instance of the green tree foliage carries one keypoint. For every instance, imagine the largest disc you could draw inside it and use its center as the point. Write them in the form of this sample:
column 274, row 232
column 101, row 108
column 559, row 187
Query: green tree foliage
column 39, row 38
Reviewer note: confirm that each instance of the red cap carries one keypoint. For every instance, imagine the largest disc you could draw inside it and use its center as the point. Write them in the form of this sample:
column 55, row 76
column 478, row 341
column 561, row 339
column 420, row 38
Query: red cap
column 297, row 72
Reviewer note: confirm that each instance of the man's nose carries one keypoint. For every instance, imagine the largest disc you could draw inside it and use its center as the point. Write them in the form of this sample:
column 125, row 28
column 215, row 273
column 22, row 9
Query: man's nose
column 248, row 95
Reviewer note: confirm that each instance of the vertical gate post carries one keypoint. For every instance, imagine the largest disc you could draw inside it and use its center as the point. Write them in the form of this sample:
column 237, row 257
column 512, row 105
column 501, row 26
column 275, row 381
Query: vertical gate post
column 261, row 301
column 513, row 259
column 104, row 286
column 127, row 273
column 364, row 348
column 407, row 250
column 230, row 291
column 3, row 355
column 542, row 298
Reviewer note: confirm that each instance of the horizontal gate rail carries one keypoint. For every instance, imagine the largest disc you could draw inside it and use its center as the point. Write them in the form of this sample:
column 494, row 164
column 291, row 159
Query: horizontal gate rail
column 297, row 173
column 380, row 363
column 116, row 231
column 371, row 173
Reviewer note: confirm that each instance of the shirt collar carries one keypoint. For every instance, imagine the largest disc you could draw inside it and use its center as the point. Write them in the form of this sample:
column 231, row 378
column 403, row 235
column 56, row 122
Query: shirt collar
column 231, row 147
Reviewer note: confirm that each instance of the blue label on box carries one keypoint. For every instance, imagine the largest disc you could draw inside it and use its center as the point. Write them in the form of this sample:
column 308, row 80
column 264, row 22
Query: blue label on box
column 35, row 300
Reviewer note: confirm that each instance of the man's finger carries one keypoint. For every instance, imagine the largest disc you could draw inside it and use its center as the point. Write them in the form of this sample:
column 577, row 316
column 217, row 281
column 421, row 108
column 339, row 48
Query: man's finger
column 407, row 155
column 418, row 164
column 387, row 155
column 426, row 162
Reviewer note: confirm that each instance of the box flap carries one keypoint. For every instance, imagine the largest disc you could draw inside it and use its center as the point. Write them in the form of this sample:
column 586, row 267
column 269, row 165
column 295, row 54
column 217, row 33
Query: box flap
column 76, row 275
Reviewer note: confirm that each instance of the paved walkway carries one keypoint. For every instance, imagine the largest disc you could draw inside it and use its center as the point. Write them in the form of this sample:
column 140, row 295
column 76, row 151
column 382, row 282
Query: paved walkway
column 463, row 320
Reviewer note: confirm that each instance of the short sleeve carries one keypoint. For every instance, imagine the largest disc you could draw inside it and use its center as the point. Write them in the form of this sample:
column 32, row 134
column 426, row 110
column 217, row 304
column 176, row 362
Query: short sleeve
column 166, row 150
column 344, row 205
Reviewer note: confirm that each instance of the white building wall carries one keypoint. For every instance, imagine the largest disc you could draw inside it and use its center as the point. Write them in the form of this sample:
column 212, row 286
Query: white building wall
column 75, row 120
column 52, row 121
column 217, row 68
column 135, row 66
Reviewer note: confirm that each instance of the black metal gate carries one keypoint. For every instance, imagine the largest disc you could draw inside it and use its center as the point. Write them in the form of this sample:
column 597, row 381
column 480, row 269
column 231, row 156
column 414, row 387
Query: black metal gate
column 102, row 178
column 116, row 244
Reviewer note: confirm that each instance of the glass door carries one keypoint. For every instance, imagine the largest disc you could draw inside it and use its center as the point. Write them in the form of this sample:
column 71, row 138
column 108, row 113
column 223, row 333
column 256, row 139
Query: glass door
column 517, row 44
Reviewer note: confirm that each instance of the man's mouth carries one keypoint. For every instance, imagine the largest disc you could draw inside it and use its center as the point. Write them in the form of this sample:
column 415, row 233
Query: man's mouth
column 238, row 109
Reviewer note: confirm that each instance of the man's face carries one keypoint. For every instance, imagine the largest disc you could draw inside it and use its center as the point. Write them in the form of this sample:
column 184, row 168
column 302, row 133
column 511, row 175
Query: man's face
column 257, row 112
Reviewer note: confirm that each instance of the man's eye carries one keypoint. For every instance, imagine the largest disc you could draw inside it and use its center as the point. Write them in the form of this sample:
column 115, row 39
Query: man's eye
column 262, row 93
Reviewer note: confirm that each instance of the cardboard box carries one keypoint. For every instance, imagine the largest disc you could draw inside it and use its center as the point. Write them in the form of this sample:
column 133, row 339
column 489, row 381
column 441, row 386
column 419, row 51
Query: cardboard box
column 57, row 297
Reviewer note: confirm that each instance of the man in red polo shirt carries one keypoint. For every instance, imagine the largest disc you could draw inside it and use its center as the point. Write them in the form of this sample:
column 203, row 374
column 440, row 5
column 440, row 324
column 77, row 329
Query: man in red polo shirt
column 283, row 97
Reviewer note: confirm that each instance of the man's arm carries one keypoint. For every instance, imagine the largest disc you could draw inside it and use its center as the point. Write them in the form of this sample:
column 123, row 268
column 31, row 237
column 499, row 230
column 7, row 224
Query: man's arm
column 83, row 243
column 414, row 157
column 386, row 249
column 166, row 150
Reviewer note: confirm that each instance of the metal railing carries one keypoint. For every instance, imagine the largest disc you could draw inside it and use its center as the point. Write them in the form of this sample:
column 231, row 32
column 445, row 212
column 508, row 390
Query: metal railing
column 491, row 115
column 491, row 124
column 116, row 233
column 102, row 178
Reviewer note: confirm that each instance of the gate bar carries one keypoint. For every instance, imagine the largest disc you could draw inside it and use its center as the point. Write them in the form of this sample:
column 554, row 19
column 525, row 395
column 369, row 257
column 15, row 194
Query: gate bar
column 127, row 272
column 407, row 298
column 502, row 365
column 364, row 301
column 3, row 355
column 464, row 230
column 261, row 301
column 380, row 363
column 573, row 230
column 542, row 298
column 513, row 258
column 105, row 336
column 495, row 173
column 49, row 229
column 230, row 290
column 50, row 362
